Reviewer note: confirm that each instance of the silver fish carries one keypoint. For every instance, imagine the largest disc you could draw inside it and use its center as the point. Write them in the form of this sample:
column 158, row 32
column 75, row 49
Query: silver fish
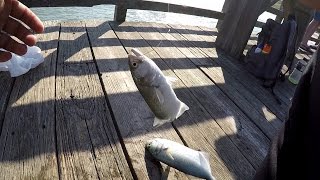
column 155, row 89
column 187, row 160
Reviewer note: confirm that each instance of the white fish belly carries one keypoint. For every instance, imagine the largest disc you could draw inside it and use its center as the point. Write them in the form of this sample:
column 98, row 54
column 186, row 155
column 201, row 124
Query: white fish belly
column 184, row 159
column 165, row 107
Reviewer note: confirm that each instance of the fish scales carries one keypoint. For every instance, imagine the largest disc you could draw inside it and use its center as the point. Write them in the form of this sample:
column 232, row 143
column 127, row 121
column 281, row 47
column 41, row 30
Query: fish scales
column 155, row 88
column 178, row 156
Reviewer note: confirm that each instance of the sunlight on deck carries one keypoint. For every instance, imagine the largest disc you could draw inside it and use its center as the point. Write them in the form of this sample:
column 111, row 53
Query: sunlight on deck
column 81, row 111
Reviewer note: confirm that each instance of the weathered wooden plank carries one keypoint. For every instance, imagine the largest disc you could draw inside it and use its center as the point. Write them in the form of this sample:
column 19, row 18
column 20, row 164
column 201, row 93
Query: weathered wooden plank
column 237, row 25
column 274, row 11
column 284, row 89
column 251, row 83
column 87, row 141
column 5, row 90
column 246, row 136
column 314, row 39
column 246, row 101
column 259, row 24
column 197, row 120
column 27, row 142
column 132, row 115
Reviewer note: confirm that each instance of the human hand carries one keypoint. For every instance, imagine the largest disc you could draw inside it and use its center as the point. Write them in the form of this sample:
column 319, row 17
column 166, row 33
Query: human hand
column 12, row 13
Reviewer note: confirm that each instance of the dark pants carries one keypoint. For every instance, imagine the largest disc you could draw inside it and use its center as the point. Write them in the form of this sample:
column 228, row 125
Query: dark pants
column 296, row 150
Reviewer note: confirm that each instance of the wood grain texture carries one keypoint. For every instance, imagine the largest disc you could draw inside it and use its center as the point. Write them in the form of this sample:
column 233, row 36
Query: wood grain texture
column 237, row 25
column 246, row 136
column 132, row 114
column 5, row 91
column 28, row 138
column 246, row 101
column 194, row 119
column 196, row 125
column 87, row 141
column 87, row 120
column 284, row 89
column 242, row 76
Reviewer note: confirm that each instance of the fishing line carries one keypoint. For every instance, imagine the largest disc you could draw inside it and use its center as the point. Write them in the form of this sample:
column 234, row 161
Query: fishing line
column 160, row 33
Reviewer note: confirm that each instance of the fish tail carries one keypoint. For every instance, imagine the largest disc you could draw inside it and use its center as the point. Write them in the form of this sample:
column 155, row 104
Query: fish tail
column 158, row 122
column 183, row 108
column 211, row 178
column 205, row 163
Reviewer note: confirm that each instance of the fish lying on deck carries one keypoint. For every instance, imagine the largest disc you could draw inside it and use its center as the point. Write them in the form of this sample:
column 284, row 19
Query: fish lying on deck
column 155, row 89
column 189, row 161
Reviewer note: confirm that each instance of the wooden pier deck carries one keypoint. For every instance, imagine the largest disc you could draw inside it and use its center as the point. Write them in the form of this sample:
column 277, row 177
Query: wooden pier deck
column 79, row 115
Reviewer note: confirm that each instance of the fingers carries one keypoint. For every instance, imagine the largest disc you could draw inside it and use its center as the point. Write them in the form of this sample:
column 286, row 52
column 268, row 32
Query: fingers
column 23, row 13
column 4, row 56
column 9, row 44
column 15, row 28
column 5, row 9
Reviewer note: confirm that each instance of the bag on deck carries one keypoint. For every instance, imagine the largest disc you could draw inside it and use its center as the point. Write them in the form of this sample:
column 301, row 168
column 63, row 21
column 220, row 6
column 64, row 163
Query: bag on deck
column 275, row 48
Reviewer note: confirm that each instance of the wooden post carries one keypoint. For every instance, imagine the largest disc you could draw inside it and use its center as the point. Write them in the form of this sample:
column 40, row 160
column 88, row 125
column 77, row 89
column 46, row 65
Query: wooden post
column 120, row 11
column 237, row 25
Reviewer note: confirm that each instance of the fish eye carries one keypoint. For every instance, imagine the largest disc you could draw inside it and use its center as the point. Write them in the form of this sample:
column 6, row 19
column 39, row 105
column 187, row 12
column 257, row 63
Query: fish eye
column 134, row 64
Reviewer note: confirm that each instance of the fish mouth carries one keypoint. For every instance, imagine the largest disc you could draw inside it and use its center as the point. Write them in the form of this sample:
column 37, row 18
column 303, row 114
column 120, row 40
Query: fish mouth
column 148, row 144
column 136, row 52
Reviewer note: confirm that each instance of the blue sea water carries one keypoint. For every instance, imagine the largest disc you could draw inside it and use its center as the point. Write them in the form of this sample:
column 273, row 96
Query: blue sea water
column 106, row 12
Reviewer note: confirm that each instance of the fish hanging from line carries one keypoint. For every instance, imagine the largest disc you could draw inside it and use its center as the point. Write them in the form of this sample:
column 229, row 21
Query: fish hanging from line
column 178, row 156
column 155, row 88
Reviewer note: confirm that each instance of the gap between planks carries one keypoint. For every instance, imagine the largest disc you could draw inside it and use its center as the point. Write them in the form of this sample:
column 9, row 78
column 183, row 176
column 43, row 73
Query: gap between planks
column 137, row 45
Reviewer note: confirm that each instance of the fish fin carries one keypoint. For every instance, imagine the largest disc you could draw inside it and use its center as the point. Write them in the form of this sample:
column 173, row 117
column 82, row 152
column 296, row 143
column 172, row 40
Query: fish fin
column 165, row 173
column 171, row 80
column 159, row 96
column 183, row 108
column 168, row 152
column 158, row 122
column 204, row 160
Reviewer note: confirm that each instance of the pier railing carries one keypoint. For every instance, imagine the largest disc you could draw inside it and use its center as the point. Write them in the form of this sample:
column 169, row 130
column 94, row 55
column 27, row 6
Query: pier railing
column 121, row 7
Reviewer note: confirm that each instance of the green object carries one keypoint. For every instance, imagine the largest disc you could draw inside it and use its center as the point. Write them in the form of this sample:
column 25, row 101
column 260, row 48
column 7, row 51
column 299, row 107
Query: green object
column 296, row 74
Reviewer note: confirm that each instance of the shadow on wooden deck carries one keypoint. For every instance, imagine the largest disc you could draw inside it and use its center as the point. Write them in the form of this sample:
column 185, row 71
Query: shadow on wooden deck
column 82, row 102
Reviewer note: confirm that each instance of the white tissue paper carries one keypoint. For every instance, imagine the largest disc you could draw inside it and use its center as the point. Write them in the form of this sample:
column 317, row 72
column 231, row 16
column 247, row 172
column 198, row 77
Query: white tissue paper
column 19, row 65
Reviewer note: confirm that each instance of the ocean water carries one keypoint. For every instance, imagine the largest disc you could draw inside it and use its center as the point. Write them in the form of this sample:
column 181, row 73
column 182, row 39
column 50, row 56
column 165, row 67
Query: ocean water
column 106, row 12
